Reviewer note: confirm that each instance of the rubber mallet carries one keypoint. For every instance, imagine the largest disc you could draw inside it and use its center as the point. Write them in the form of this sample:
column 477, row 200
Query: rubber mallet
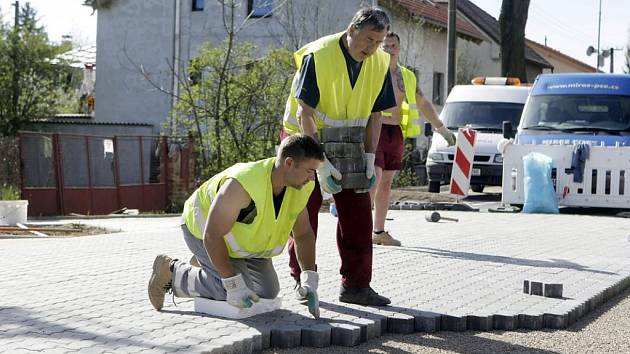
column 435, row 217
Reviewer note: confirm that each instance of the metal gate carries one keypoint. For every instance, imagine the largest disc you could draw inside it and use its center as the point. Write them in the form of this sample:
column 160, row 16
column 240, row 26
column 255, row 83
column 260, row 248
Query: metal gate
column 91, row 175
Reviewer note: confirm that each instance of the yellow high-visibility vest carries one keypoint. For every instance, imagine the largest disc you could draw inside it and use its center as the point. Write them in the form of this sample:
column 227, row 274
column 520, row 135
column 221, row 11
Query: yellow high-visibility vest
column 340, row 104
column 410, row 118
column 266, row 235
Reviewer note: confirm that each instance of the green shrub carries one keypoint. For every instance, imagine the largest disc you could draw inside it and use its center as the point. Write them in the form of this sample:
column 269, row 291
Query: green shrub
column 9, row 192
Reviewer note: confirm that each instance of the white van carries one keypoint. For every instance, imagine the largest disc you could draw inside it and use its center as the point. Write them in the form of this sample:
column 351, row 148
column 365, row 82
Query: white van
column 484, row 106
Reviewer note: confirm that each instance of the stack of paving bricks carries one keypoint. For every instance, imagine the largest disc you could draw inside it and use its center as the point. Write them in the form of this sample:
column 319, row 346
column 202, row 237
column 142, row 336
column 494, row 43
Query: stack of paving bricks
column 344, row 149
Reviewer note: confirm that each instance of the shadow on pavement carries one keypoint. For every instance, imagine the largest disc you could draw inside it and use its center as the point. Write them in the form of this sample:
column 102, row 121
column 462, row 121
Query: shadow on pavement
column 23, row 324
column 553, row 263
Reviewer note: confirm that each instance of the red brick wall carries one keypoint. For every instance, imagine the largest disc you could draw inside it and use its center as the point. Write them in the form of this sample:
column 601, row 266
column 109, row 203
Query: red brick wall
column 181, row 181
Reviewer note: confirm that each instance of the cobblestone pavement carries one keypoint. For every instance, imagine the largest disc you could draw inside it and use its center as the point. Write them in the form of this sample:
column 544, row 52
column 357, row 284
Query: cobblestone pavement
column 88, row 294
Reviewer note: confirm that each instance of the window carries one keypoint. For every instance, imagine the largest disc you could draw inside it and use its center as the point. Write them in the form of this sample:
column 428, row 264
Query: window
column 259, row 8
column 197, row 5
column 438, row 88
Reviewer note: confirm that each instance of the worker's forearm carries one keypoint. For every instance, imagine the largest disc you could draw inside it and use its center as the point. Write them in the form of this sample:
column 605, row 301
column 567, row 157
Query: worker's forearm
column 429, row 112
column 308, row 126
column 305, row 251
column 307, row 122
column 219, row 256
column 372, row 132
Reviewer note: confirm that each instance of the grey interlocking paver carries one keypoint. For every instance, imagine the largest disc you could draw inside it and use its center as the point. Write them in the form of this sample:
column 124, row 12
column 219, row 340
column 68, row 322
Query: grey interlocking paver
column 345, row 334
column 89, row 293
column 318, row 336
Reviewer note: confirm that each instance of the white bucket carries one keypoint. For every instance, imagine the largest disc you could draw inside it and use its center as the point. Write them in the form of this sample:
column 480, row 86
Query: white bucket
column 13, row 211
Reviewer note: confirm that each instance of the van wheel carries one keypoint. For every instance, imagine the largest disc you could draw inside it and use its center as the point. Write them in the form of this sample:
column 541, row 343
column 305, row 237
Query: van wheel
column 434, row 186
column 477, row 188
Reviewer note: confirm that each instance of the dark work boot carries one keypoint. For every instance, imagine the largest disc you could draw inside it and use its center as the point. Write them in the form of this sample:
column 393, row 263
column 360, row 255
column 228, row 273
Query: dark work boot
column 362, row 296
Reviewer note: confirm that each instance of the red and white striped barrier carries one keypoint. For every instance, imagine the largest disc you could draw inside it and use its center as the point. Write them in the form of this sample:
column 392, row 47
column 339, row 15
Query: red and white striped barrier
column 463, row 162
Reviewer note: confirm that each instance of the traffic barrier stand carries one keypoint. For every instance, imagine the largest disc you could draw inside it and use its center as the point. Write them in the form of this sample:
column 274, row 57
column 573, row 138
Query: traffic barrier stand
column 463, row 163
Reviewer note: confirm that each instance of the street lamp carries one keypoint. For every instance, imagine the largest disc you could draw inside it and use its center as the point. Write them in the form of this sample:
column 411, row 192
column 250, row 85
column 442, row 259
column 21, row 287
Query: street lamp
column 604, row 54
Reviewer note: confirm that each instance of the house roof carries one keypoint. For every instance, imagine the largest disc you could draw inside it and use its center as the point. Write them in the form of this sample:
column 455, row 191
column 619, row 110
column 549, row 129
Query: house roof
column 490, row 26
column 437, row 14
column 541, row 47
column 84, row 121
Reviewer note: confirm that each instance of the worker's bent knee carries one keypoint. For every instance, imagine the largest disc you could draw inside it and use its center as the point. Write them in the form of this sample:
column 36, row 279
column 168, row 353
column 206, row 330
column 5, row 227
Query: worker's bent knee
column 269, row 291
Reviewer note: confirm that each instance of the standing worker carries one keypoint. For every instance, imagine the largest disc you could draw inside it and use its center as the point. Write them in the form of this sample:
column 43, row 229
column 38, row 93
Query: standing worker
column 236, row 221
column 399, row 122
column 342, row 82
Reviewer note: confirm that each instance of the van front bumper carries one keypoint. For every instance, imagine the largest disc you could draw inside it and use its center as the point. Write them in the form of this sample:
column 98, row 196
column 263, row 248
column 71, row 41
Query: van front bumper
column 490, row 175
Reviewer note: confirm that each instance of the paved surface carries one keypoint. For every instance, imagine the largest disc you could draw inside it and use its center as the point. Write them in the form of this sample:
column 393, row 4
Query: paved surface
column 88, row 294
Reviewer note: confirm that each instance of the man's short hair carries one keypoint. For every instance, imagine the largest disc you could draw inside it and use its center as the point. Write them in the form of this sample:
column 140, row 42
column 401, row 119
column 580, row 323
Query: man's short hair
column 300, row 147
column 373, row 16
column 393, row 34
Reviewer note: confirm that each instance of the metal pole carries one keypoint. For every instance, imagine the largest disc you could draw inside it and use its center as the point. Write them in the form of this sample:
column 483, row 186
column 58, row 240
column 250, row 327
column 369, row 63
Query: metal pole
column 599, row 27
column 612, row 60
column 452, row 43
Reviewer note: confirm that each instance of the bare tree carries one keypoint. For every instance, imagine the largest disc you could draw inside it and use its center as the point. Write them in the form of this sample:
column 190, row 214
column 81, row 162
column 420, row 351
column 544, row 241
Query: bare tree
column 512, row 23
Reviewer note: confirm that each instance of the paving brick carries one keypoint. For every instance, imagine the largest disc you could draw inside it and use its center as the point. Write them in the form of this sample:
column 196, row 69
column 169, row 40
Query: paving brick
column 349, row 165
column 286, row 336
column 338, row 150
column 505, row 322
column 345, row 335
column 526, row 286
column 428, row 322
column 555, row 321
column 400, row 323
column 318, row 336
column 553, row 290
column 453, row 323
column 343, row 134
column 479, row 322
column 536, row 288
column 528, row 321
column 354, row 181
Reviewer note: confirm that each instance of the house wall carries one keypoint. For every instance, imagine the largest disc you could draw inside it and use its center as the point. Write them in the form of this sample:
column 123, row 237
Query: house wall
column 140, row 35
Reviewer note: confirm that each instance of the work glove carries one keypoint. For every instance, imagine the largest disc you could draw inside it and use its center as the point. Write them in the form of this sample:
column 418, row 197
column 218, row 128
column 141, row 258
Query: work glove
column 369, row 172
column 329, row 177
column 309, row 281
column 238, row 294
column 447, row 135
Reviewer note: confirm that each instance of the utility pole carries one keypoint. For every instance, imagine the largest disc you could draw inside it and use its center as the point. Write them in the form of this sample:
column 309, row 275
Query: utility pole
column 16, row 22
column 452, row 43
column 14, row 53
column 612, row 60
column 599, row 27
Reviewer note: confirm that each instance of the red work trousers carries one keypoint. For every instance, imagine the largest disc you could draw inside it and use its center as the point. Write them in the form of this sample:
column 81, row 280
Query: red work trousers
column 354, row 236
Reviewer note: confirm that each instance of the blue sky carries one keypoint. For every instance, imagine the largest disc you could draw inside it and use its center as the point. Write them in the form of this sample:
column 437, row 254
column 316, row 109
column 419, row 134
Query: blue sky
column 569, row 25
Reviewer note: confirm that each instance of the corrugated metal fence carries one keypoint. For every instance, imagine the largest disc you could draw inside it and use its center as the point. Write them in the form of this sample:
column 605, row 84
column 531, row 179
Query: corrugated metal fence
column 66, row 173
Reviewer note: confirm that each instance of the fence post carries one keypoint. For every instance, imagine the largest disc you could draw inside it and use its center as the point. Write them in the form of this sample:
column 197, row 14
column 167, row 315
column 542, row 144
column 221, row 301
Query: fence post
column 20, row 164
column 89, row 169
column 141, row 173
column 117, row 172
column 165, row 163
column 58, row 168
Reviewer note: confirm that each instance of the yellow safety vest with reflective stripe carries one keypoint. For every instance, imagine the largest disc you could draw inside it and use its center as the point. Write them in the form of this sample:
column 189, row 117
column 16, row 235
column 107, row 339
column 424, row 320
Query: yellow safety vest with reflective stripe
column 410, row 119
column 340, row 105
column 266, row 236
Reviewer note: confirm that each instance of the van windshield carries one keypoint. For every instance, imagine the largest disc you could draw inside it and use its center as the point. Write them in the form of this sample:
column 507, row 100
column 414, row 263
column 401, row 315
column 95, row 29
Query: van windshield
column 488, row 116
column 578, row 112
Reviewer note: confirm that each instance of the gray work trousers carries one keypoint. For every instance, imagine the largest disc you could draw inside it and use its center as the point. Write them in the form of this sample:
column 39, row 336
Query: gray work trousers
column 189, row 281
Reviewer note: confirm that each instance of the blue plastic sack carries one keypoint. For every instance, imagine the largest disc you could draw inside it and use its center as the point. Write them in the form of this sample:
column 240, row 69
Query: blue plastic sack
column 540, row 197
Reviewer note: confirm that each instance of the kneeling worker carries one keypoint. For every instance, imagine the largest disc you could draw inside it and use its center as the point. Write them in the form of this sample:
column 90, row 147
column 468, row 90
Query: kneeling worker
column 236, row 221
